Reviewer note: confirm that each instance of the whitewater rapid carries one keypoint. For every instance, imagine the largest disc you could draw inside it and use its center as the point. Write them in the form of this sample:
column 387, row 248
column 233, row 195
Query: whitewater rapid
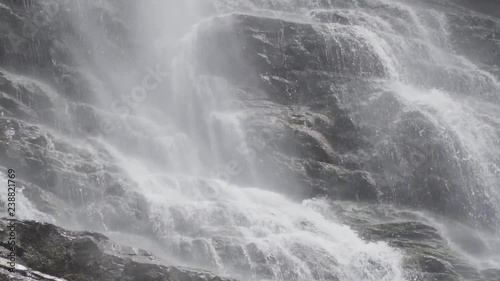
column 206, row 220
column 199, row 146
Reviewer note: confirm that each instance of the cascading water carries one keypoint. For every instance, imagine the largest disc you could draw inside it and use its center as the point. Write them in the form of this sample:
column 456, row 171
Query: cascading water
column 206, row 220
column 184, row 137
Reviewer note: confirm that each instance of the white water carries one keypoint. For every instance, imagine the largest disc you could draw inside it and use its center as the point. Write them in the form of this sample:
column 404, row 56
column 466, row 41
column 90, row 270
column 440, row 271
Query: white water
column 24, row 209
column 254, row 234
column 204, row 219
column 475, row 123
column 240, row 231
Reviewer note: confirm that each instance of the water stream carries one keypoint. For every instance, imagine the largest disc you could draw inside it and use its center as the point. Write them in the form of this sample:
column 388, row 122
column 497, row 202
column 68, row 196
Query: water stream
column 180, row 136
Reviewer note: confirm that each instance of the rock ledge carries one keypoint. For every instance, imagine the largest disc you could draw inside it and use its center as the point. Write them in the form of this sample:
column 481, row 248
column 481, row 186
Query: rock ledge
column 47, row 252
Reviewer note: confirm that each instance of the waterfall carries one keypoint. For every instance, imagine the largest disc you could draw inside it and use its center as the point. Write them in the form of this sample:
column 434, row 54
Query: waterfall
column 198, row 130
column 200, row 212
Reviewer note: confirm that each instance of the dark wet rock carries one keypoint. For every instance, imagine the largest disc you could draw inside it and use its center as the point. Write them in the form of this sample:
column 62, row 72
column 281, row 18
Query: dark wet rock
column 314, row 86
column 478, row 37
column 308, row 83
column 405, row 230
column 337, row 120
column 60, row 177
column 24, row 274
column 290, row 145
column 417, row 163
column 49, row 123
column 43, row 39
column 303, row 81
column 233, row 255
column 427, row 254
column 47, row 250
column 485, row 7
column 286, row 58
column 353, row 185
column 491, row 274
column 26, row 101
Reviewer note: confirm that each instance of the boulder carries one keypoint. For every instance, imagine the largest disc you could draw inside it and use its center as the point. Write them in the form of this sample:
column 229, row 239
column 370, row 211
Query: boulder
column 47, row 252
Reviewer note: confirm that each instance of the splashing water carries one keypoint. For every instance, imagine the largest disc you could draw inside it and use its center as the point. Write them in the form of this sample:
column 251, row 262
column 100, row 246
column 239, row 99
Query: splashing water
column 254, row 234
column 198, row 145
column 239, row 231
column 24, row 209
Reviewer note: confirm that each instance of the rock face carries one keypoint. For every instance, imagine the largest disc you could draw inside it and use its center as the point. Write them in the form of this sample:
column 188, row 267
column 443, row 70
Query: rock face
column 49, row 116
column 339, row 131
column 323, row 117
column 47, row 252
column 316, row 86
column 429, row 255
column 48, row 121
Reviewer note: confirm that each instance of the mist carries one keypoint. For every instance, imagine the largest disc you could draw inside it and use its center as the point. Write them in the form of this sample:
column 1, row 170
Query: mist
column 262, row 140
